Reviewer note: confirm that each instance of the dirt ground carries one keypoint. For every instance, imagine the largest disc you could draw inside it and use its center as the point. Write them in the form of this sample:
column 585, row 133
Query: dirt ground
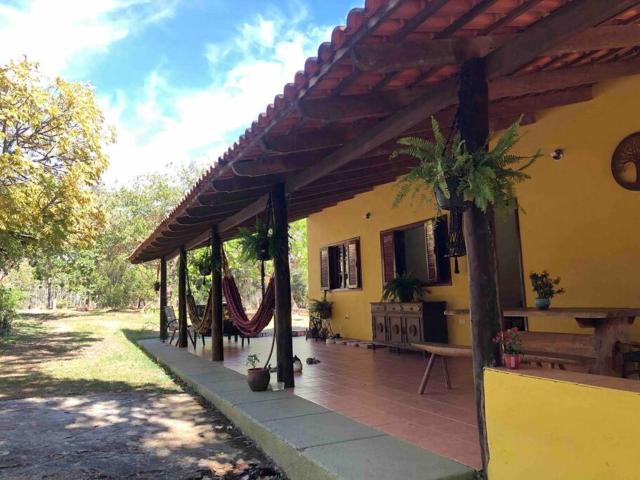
column 65, row 415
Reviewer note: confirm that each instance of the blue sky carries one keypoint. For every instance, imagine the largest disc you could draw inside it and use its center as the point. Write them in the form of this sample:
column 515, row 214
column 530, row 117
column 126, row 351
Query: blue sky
column 179, row 79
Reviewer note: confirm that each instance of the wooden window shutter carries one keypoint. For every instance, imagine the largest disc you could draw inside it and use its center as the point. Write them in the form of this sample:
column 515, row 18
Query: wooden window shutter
column 431, row 247
column 388, row 252
column 353, row 264
column 324, row 269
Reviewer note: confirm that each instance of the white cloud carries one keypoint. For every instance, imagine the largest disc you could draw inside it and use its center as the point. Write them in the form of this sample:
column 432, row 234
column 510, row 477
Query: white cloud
column 62, row 34
column 172, row 125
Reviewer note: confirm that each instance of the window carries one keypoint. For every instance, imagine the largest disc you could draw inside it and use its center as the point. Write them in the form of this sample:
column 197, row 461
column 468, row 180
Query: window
column 340, row 265
column 419, row 249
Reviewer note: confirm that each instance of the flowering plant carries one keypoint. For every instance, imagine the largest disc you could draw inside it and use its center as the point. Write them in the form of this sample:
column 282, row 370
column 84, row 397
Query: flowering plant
column 544, row 285
column 510, row 340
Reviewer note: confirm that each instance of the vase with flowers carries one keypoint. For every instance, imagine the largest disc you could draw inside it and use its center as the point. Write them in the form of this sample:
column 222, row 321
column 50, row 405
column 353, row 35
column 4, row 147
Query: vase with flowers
column 546, row 287
column 510, row 343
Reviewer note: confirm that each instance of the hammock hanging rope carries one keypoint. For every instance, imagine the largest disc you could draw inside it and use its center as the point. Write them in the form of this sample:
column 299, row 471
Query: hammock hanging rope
column 249, row 327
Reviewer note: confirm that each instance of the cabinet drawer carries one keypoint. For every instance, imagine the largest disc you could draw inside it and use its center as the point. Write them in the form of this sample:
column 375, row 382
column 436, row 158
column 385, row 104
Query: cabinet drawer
column 377, row 307
column 412, row 307
column 394, row 307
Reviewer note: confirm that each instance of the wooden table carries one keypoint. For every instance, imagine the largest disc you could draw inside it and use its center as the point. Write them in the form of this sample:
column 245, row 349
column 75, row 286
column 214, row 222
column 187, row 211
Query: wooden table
column 611, row 325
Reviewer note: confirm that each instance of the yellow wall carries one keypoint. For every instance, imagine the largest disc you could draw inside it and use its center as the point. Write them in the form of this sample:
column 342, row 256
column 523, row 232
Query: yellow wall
column 537, row 429
column 578, row 223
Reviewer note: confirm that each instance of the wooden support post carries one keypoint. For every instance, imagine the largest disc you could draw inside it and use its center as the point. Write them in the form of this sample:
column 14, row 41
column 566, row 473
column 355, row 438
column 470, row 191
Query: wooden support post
column 217, row 352
column 182, row 299
column 283, row 286
column 484, row 302
column 163, row 299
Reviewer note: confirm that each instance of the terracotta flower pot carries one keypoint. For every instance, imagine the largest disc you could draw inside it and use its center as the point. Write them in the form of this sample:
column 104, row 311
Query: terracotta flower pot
column 512, row 360
column 258, row 379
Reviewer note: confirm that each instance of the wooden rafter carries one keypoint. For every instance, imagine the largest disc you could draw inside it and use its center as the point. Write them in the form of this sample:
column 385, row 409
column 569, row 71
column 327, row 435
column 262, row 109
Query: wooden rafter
column 390, row 57
column 560, row 26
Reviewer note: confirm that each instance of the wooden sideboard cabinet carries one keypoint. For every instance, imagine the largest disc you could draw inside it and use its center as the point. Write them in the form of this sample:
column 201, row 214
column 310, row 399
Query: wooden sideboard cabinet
column 400, row 324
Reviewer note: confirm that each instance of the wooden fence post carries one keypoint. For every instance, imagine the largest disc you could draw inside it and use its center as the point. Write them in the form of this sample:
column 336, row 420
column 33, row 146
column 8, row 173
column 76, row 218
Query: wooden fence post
column 182, row 299
column 283, row 287
column 163, row 299
column 217, row 351
column 484, row 301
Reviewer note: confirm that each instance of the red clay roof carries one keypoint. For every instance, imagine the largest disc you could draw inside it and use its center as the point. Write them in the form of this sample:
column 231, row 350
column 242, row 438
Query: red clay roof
column 333, row 74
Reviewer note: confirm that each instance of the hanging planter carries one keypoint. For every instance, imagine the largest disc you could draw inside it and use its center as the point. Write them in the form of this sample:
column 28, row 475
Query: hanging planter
column 257, row 244
column 156, row 286
column 456, row 177
column 452, row 199
column 204, row 266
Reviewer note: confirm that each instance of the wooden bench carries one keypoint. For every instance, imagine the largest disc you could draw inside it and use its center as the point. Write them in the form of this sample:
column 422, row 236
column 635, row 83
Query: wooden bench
column 558, row 349
column 555, row 349
column 440, row 350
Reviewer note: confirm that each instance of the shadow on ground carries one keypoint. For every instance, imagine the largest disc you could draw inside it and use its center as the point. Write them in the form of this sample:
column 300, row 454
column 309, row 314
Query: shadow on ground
column 135, row 434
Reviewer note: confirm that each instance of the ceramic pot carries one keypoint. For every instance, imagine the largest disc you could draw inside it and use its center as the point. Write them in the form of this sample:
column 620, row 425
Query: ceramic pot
column 542, row 303
column 258, row 379
column 512, row 360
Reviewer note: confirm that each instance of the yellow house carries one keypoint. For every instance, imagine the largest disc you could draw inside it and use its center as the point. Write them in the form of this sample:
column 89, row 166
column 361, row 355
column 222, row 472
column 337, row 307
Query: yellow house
column 321, row 150
column 575, row 220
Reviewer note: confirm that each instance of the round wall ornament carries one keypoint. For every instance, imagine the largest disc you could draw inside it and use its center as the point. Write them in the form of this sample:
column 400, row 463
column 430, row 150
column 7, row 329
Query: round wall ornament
column 625, row 163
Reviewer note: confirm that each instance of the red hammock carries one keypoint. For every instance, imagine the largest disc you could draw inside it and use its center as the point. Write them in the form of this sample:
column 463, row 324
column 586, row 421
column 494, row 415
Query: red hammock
column 248, row 327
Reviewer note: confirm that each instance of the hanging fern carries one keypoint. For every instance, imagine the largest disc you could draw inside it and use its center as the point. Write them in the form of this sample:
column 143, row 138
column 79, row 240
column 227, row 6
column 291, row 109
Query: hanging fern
column 258, row 243
column 485, row 177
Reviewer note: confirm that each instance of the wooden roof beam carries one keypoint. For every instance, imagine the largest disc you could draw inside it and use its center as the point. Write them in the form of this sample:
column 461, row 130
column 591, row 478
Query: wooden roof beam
column 267, row 165
column 384, row 103
column 390, row 57
column 555, row 29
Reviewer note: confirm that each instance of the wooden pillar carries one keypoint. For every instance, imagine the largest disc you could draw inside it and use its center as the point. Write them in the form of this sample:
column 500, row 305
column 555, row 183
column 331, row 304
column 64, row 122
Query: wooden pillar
column 163, row 299
column 484, row 301
column 282, row 286
column 217, row 352
column 182, row 299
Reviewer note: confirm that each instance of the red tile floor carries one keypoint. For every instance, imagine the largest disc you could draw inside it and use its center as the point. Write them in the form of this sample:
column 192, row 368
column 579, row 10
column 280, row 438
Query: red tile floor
column 379, row 388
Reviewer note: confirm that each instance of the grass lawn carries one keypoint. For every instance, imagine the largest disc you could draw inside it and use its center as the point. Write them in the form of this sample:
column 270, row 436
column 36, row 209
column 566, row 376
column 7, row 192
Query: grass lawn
column 67, row 353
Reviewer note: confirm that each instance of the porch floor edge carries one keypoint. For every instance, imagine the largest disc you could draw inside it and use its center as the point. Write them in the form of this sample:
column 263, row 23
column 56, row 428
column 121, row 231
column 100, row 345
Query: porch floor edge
column 305, row 439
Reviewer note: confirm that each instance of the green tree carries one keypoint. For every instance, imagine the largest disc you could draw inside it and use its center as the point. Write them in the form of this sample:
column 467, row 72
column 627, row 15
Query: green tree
column 52, row 139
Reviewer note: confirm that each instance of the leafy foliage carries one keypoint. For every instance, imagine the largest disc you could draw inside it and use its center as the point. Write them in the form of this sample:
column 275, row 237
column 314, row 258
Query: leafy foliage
column 544, row 285
column 320, row 308
column 257, row 244
column 403, row 288
column 485, row 177
column 253, row 360
column 52, row 139
column 8, row 302
column 510, row 340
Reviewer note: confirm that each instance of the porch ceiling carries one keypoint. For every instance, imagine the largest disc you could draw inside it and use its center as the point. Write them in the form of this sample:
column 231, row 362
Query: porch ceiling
column 329, row 134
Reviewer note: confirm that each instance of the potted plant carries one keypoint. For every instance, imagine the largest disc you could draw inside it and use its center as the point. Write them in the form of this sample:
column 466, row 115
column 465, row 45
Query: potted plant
column 257, row 243
column 320, row 308
column 455, row 176
column 511, row 345
column 204, row 264
column 258, row 378
column 403, row 288
column 545, row 287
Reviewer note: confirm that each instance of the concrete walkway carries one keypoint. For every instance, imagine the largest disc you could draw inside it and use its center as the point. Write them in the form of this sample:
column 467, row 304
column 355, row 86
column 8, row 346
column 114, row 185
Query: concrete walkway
column 306, row 440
